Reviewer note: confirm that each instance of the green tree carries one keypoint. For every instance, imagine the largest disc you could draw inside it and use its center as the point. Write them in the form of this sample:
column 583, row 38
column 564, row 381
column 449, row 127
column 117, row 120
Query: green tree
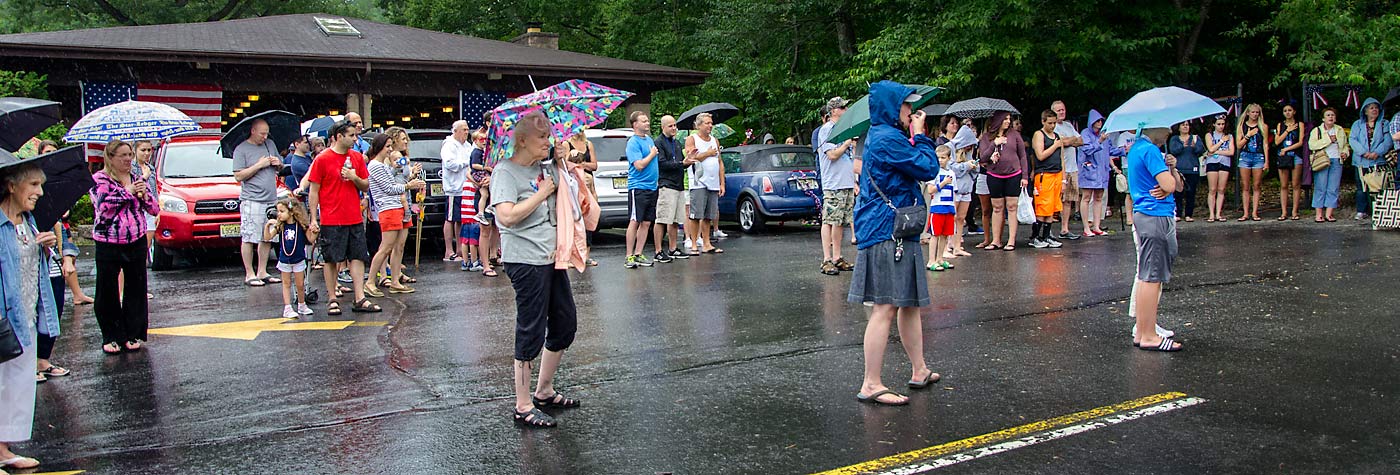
column 1339, row 41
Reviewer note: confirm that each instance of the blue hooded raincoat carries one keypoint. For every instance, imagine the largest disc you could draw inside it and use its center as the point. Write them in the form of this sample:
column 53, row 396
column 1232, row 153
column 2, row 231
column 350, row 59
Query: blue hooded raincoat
column 1379, row 142
column 1094, row 156
column 891, row 162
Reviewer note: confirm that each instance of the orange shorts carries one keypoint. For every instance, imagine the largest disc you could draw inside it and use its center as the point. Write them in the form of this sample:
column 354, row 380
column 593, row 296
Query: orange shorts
column 392, row 220
column 1048, row 190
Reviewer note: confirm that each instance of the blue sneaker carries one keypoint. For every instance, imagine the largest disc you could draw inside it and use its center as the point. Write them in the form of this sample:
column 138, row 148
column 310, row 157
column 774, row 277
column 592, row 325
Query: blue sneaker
column 466, row 267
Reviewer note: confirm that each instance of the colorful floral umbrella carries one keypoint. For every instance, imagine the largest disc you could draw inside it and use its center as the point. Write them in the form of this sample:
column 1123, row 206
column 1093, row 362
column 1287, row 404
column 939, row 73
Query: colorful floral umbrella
column 571, row 106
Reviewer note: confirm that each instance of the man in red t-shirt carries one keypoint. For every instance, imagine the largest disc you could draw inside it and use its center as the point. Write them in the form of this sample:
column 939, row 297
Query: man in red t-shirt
column 337, row 176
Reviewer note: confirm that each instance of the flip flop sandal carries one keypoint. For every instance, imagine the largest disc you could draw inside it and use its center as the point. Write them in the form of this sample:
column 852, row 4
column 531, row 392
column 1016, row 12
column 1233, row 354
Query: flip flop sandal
column 132, row 346
column 406, row 279
column 1283, row 218
column 343, row 289
column 40, row 378
column 490, row 273
column 112, row 349
column 272, row 280
column 693, row 252
column 557, row 400
column 366, row 306
column 875, row 399
column 254, row 282
column 333, row 308
column 991, row 247
column 932, row 378
column 1009, row 247
column 534, row 418
column 715, row 251
column 1295, row 217
column 21, row 463
column 55, row 371
column 1165, row 346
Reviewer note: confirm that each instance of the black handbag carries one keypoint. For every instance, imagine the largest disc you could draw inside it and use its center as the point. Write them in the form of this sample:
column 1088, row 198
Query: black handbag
column 909, row 221
column 9, row 341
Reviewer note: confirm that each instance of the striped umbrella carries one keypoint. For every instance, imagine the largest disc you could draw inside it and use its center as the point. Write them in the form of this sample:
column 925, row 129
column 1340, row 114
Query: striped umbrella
column 571, row 106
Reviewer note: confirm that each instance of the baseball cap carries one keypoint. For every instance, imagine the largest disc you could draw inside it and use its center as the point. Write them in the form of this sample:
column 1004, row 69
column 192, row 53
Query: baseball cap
column 836, row 103
column 913, row 97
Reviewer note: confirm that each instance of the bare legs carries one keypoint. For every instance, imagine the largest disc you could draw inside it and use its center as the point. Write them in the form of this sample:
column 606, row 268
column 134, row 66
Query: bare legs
column 877, row 336
column 70, row 277
column 544, row 388
column 1290, row 180
column 1249, row 193
column 386, row 248
column 248, row 254
column 1215, row 196
column 986, row 202
column 1146, row 297
column 959, row 223
column 998, row 215
column 1011, row 205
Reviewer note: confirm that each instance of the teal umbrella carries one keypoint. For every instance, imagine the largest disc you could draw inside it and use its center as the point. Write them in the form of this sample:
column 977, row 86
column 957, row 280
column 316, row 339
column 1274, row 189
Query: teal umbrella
column 856, row 120
column 1160, row 107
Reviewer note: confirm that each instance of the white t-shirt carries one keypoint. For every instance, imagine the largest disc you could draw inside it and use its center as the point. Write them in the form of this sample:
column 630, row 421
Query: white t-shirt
column 1070, row 155
column 456, row 165
column 705, row 174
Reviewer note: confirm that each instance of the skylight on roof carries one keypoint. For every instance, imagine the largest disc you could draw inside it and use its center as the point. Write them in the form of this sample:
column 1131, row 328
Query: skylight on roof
column 337, row 27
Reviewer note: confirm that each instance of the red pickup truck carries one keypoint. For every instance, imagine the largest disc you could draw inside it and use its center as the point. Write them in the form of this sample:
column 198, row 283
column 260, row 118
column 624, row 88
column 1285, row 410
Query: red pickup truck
column 198, row 198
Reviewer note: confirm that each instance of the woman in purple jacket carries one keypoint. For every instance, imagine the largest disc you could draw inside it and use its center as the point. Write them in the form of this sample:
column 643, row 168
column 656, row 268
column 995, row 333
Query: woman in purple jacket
column 1095, row 158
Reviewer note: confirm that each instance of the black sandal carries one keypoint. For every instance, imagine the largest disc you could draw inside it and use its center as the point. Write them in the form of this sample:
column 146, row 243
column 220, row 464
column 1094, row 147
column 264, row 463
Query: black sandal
column 534, row 418
column 333, row 308
column 875, row 398
column 1165, row 346
column 366, row 306
column 557, row 400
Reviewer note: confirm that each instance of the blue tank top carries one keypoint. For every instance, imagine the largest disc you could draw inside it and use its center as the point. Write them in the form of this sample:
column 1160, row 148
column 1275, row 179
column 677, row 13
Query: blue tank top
column 291, row 247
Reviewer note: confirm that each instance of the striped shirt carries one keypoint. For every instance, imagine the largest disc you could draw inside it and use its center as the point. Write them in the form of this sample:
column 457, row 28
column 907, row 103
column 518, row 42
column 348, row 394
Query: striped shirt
column 943, row 200
column 469, row 202
column 385, row 187
column 118, row 215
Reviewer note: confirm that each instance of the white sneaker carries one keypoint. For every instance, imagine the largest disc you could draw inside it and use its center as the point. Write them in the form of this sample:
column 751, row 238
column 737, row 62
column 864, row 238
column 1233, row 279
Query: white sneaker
column 304, row 310
column 1360, row 216
column 1162, row 332
column 720, row 234
column 289, row 312
column 689, row 244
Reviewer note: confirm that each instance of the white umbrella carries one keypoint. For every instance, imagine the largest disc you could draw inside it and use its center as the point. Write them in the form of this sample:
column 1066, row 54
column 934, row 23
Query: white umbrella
column 131, row 120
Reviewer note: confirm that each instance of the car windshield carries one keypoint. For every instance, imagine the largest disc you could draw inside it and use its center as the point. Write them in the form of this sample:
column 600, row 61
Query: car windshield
column 610, row 148
column 425, row 147
column 793, row 160
column 195, row 160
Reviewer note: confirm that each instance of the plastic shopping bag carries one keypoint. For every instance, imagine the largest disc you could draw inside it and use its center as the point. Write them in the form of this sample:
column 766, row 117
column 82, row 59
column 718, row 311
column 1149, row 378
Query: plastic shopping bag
column 1025, row 208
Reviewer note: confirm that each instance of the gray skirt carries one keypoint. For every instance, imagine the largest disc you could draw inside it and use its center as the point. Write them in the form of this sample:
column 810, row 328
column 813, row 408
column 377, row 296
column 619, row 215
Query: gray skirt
column 879, row 280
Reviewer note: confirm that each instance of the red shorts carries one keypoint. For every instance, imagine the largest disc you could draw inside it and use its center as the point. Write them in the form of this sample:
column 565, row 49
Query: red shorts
column 392, row 220
column 941, row 224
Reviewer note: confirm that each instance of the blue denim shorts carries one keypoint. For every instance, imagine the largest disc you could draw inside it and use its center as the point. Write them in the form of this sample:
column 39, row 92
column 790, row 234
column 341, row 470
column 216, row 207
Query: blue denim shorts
column 1251, row 160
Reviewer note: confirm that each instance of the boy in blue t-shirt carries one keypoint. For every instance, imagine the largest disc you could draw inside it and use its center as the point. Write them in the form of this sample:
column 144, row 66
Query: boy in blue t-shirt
column 941, row 212
column 1152, row 179
column 642, row 174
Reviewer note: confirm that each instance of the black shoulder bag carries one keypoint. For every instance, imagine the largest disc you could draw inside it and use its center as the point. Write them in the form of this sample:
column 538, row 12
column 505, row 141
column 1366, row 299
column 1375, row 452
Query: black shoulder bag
column 909, row 221
column 9, row 341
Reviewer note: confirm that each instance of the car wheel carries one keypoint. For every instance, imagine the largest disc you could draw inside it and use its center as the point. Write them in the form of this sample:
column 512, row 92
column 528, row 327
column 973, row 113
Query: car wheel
column 750, row 219
column 162, row 258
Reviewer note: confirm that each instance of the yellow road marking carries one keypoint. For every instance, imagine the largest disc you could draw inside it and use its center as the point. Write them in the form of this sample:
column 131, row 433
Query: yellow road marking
column 940, row 450
column 74, row 472
column 250, row 329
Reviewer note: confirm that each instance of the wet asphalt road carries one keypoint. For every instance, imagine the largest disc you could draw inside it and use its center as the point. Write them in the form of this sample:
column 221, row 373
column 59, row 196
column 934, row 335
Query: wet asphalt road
column 748, row 362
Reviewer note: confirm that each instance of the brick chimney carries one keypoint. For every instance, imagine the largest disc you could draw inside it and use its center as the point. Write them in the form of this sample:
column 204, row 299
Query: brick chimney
column 535, row 38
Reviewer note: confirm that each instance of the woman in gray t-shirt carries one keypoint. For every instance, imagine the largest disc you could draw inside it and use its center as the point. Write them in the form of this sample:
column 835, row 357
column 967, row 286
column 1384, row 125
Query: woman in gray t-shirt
column 522, row 193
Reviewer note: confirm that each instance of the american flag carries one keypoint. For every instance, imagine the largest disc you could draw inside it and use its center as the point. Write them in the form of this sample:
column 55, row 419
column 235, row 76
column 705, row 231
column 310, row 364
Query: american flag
column 475, row 105
column 202, row 102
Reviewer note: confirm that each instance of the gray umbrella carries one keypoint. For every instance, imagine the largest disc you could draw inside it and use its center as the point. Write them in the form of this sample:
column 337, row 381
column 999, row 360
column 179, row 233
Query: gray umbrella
column 719, row 112
column 934, row 110
column 21, row 118
column 979, row 108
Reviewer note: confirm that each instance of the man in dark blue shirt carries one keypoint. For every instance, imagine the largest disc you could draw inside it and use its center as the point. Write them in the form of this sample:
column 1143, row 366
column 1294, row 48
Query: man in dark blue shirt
column 300, row 161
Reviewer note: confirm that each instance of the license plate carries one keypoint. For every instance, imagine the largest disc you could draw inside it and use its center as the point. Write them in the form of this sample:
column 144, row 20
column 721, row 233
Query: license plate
column 230, row 230
column 805, row 185
column 620, row 183
column 436, row 189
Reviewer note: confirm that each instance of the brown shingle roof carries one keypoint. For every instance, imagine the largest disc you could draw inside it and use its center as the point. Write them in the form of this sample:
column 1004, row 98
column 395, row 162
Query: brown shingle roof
column 277, row 39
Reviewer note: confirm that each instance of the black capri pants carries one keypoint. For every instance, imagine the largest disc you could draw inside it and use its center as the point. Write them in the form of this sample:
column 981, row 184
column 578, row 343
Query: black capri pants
column 545, row 315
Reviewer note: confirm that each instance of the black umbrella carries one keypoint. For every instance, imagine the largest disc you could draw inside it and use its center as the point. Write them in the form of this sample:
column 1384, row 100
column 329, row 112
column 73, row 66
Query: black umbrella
column 21, row 118
column 1392, row 95
column 283, row 129
column 67, row 181
column 979, row 108
column 936, row 109
column 720, row 112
